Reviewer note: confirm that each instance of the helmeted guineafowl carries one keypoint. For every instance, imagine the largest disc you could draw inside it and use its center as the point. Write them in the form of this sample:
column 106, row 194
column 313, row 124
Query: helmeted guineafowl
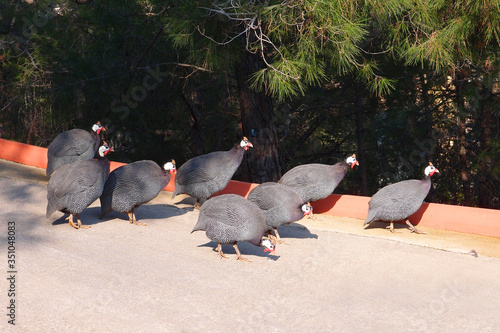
column 281, row 205
column 317, row 181
column 397, row 201
column 134, row 184
column 229, row 219
column 202, row 176
column 73, row 145
column 73, row 187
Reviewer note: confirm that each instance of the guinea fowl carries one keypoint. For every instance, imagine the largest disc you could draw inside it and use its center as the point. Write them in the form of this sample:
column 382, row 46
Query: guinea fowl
column 281, row 205
column 229, row 219
column 134, row 184
column 73, row 145
column 317, row 181
column 204, row 175
column 397, row 201
column 73, row 187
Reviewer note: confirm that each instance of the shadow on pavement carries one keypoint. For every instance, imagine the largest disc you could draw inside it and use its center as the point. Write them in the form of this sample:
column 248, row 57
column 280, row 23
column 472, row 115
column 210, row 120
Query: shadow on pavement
column 247, row 250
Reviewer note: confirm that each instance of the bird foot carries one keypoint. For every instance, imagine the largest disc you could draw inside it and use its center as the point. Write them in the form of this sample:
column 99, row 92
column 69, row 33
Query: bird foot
column 138, row 223
column 415, row 230
column 240, row 258
column 219, row 251
column 85, row 226
column 197, row 205
column 222, row 255
column 280, row 241
column 70, row 220
column 314, row 218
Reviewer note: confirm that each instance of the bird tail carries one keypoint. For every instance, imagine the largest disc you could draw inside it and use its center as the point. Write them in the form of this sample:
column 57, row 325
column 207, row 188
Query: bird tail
column 174, row 194
column 200, row 225
column 105, row 206
column 50, row 210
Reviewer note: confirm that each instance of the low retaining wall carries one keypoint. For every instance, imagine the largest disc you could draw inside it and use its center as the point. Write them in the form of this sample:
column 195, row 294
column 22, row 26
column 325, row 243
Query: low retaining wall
column 472, row 220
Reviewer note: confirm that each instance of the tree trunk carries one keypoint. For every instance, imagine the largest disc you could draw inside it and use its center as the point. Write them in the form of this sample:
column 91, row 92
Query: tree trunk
column 360, row 135
column 193, row 100
column 462, row 140
column 485, row 196
column 263, row 161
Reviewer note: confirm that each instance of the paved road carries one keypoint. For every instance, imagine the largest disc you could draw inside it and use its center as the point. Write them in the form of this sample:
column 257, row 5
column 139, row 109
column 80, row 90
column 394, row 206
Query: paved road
column 118, row 277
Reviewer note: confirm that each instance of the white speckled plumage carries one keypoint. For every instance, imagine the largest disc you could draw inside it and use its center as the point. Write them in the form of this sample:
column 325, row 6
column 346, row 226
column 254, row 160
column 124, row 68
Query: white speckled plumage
column 230, row 218
column 398, row 201
column 73, row 187
column 132, row 185
column 280, row 203
column 71, row 146
column 204, row 175
column 316, row 181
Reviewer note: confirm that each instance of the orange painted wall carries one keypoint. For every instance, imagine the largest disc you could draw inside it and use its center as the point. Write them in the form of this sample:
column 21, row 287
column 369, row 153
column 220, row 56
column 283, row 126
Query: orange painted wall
column 438, row 216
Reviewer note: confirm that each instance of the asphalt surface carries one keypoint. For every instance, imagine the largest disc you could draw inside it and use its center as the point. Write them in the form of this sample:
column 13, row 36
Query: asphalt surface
column 334, row 276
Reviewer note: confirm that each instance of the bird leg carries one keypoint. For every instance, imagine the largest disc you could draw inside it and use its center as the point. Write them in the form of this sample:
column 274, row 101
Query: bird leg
column 197, row 205
column 80, row 224
column 391, row 227
column 413, row 229
column 278, row 238
column 219, row 250
column 313, row 217
column 239, row 257
column 70, row 220
column 133, row 219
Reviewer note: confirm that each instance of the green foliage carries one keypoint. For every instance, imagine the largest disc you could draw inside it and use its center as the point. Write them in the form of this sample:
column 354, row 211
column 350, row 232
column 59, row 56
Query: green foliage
column 64, row 65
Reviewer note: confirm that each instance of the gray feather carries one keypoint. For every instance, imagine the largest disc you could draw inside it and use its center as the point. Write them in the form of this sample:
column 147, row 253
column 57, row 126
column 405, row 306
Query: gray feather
column 280, row 203
column 230, row 218
column 132, row 185
column 315, row 181
column 71, row 146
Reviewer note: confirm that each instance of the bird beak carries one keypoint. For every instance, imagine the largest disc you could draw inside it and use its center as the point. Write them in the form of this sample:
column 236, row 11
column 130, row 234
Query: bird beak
column 352, row 165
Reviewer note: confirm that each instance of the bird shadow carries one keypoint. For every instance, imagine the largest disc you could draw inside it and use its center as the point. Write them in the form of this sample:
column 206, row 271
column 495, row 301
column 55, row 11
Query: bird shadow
column 296, row 230
column 385, row 225
column 89, row 216
column 186, row 203
column 247, row 249
column 147, row 212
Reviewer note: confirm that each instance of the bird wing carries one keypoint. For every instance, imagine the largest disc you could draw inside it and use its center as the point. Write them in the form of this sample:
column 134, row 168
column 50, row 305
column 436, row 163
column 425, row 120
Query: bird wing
column 75, row 178
column 203, row 168
column 303, row 175
column 397, row 201
column 72, row 143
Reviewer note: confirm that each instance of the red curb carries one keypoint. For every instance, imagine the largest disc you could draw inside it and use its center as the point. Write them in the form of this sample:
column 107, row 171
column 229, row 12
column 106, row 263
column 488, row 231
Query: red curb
column 471, row 220
column 479, row 221
column 23, row 153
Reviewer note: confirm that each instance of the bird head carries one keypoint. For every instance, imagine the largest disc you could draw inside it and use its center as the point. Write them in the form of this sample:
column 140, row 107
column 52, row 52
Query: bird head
column 307, row 209
column 245, row 144
column 351, row 160
column 104, row 149
column 268, row 244
column 97, row 127
column 430, row 170
column 170, row 167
